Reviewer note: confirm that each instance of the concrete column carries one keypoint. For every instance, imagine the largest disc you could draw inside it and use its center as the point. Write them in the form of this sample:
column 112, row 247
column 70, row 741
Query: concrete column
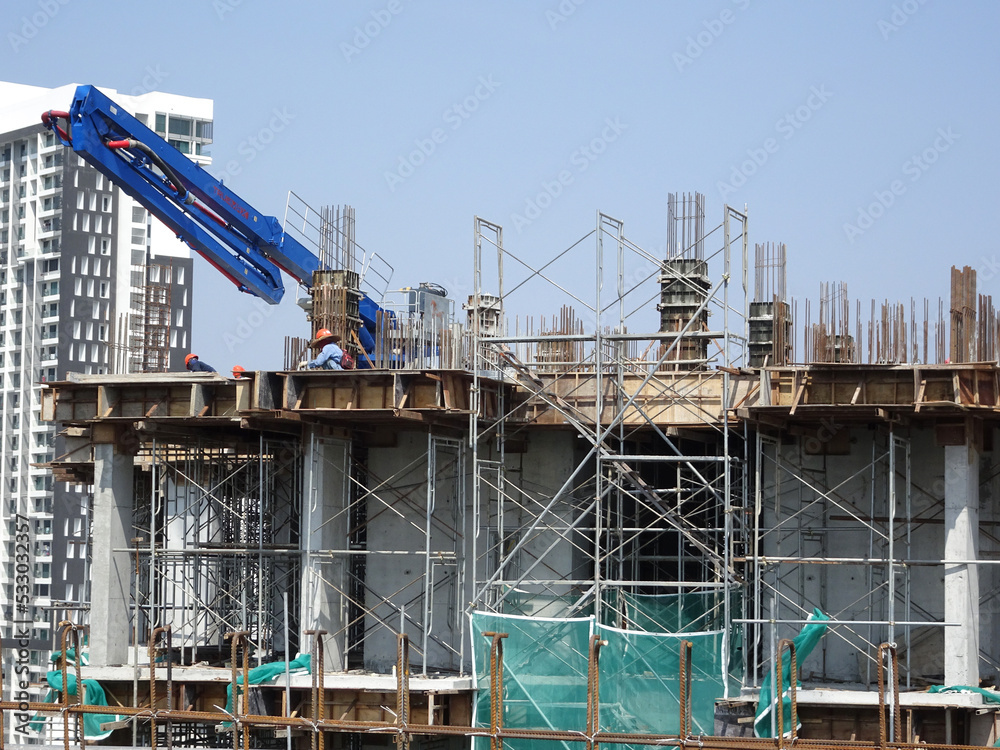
column 961, row 582
column 111, row 569
column 324, row 528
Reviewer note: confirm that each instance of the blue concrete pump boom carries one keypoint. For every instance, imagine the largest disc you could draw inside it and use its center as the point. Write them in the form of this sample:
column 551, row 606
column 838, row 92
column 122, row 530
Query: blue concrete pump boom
column 246, row 246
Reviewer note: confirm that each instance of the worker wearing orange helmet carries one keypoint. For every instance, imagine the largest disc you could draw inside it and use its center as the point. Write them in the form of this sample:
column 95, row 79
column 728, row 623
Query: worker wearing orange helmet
column 194, row 364
column 238, row 371
column 330, row 355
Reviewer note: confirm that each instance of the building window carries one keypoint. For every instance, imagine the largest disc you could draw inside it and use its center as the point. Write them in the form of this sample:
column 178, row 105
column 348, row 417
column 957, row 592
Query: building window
column 105, row 246
column 180, row 126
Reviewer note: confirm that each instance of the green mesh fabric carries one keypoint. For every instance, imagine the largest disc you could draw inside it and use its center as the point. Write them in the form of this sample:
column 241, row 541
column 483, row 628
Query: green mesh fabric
column 545, row 676
column 766, row 719
column 640, row 681
column 93, row 695
column 688, row 612
column 545, row 605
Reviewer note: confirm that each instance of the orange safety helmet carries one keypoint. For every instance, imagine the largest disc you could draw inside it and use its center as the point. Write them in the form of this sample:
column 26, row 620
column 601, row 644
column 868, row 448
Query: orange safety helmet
column 323, row 334
column 238, row 371
column 188, row 358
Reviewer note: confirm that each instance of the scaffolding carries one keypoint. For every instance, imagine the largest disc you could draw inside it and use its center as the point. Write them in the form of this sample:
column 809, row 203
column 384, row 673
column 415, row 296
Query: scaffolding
column 216, row 538
column 651, row 502
column 139, row 341
column 616, row 454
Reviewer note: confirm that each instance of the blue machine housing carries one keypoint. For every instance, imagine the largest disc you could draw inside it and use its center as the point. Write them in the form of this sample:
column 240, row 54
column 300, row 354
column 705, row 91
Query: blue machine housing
column 249, row 248
column 246, row 246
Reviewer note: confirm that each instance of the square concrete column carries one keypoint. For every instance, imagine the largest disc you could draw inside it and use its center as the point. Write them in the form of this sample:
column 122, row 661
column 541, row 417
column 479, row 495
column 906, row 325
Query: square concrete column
column 961, row 580
column 111, row 567
column 325, row 521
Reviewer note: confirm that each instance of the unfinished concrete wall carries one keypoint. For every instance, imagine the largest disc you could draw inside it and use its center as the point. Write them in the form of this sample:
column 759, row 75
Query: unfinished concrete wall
column 324, row 537
column 553, row 558
column 408, row 589
column 112, row 563
column 989, row 549
column 838, row 503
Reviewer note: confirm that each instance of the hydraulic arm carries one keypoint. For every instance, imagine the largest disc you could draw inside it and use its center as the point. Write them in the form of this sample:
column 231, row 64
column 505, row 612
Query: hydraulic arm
column 246, row 246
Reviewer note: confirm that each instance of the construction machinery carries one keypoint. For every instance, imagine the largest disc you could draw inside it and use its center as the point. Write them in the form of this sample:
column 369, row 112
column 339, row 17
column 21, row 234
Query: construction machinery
column 246, row 246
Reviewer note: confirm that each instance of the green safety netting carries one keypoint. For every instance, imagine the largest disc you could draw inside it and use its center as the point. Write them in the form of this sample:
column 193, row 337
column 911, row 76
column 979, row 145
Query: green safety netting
column 545, row 605
column 686, row 612
column 767, row 718
column 545, row 676
column 93, row 695
column 989, row 695
column 55, row 656
column 545, row 673
column 640, row 680
column 267, row 672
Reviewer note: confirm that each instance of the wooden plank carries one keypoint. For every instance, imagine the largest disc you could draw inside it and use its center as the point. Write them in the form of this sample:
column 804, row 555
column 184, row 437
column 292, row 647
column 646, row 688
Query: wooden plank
column 920, row 395
column 798, row 394
column 446, row 385
column 858, row 391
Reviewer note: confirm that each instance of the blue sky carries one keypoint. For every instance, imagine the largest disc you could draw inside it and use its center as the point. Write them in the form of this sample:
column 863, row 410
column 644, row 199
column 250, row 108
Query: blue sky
column 861, row 134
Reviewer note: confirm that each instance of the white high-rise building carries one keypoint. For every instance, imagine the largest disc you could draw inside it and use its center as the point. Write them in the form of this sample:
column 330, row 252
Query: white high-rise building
column 89, row 283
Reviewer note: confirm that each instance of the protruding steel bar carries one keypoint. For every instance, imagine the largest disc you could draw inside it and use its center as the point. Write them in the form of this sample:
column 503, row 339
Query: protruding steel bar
column 402, row 690
column 318, row 686
column 685, row 688
column 780, row 692
column 69, row 628
column 152, row 648
column 593, row 691
column 887, row 649
column 240, row 727
column 496, row 689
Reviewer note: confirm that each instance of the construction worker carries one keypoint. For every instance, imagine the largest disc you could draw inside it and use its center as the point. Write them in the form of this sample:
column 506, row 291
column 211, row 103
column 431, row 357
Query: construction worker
column 194, row 364
column 238, row 371
column 330, row 355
